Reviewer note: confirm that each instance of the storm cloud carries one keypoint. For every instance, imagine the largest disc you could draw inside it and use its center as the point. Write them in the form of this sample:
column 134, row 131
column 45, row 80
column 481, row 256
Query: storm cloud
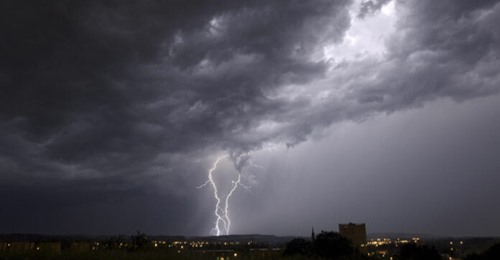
column 111, row 98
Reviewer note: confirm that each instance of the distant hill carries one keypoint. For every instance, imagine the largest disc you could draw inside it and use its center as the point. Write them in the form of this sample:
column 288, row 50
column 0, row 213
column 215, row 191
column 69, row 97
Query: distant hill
column 17, row 237
column 254, row 238
column 400, row 235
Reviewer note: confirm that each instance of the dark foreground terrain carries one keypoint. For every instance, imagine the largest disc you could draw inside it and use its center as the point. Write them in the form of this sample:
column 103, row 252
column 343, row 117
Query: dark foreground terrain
column 141, row 246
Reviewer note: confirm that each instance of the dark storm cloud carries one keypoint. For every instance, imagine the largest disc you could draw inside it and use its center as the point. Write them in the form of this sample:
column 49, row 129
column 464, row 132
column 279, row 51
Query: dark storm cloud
column 112, row 82
column 114, row 95
column 128, row 93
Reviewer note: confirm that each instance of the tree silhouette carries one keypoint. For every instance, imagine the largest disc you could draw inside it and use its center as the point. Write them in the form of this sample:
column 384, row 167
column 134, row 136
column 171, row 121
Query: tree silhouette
column 492, row 253
column 140, row 241
column 332, row 245
column 327, row 245
column 299, row 246
column 114, row 242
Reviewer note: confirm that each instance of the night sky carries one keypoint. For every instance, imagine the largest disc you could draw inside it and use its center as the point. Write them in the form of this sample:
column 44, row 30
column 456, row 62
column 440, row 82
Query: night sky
column 384, row 112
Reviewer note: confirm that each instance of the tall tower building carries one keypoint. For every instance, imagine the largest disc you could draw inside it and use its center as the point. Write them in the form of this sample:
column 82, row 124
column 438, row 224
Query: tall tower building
column 356, row 233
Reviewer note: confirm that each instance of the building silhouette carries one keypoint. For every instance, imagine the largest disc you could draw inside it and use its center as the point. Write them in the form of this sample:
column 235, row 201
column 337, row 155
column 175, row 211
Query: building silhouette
column 356, row 233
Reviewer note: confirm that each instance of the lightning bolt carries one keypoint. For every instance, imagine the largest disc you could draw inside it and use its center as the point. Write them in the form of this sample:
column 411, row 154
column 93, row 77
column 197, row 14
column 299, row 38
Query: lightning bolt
column 226, row 208
column 222, row 223
column 219, row 212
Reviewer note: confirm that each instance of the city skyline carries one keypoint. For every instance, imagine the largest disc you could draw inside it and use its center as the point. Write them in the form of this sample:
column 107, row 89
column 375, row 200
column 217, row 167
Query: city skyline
column 144, row 115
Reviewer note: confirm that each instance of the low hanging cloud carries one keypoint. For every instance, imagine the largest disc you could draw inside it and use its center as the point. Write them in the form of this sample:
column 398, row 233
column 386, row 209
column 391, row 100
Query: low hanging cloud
column 116, row 90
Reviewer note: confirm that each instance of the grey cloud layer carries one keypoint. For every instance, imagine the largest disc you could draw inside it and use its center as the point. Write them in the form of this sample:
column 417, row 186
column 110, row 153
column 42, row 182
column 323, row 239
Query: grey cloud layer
column 450, row 50
column 117, row 84
column 117, row 90
column 368, row 7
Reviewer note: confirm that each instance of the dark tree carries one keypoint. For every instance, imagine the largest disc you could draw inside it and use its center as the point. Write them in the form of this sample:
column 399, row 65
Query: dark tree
column 332, row 245
column 140, row 241
column 418, row 252
column 473, row 256
column 326, row 245
column 299, row 246
column 493, row 253
column 114, row 242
